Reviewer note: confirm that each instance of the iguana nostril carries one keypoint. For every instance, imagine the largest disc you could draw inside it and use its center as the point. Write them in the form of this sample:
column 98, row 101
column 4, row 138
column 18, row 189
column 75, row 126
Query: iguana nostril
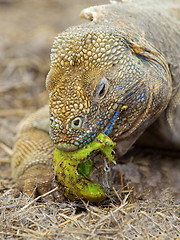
column 76, row 123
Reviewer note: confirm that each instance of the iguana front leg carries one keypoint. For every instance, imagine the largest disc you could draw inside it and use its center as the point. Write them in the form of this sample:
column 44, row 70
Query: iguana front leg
column 32, row 156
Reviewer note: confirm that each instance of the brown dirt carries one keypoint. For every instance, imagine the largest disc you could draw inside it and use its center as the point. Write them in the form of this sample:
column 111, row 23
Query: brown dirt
column 27, row 30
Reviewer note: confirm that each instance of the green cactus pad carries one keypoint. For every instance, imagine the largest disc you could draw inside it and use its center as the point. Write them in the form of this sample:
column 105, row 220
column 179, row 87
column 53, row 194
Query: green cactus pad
column 72, row 171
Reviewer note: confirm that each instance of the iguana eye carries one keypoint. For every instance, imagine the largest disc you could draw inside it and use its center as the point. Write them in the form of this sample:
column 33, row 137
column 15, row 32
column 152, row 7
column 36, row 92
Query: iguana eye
column 101, row 89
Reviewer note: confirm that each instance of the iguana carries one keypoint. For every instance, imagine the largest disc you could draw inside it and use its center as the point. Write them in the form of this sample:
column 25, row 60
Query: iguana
column 117, row 74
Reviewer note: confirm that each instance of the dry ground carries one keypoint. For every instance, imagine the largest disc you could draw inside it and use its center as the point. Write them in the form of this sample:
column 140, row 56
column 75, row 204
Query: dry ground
column 27, row 29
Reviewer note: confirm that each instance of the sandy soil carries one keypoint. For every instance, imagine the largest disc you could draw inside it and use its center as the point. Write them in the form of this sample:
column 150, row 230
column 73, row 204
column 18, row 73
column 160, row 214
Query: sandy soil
column 27, row 30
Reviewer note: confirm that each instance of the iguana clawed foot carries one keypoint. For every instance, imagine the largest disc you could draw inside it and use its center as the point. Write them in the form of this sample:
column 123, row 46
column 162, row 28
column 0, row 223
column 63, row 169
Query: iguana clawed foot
column 39, row 180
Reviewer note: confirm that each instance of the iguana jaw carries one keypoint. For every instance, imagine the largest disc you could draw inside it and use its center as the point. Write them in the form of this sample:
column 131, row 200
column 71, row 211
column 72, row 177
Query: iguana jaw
column 67, row 147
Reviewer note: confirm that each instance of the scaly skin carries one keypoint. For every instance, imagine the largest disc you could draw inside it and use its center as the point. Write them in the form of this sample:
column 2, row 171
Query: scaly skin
column 115, row 75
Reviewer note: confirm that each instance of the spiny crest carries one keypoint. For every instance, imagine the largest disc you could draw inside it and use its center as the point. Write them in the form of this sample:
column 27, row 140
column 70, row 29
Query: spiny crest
column 86, row 48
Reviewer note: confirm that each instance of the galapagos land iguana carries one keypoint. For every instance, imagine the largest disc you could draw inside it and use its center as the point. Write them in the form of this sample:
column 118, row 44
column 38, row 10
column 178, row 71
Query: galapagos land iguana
column 117, row 74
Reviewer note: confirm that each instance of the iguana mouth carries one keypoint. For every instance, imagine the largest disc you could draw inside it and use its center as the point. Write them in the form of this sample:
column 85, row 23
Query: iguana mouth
column 67, row 147
column 110, row 125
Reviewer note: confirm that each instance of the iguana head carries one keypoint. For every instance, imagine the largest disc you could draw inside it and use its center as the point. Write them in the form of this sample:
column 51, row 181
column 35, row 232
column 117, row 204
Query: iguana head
column 101, row 80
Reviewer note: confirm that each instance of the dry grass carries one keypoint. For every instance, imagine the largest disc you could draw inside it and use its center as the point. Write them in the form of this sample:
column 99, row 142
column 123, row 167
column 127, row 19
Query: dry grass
column 27, row 31
column 22, row 218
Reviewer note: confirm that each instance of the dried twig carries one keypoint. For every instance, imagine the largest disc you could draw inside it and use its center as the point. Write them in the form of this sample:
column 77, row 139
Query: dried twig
column 7, row 149
column 34, row 200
